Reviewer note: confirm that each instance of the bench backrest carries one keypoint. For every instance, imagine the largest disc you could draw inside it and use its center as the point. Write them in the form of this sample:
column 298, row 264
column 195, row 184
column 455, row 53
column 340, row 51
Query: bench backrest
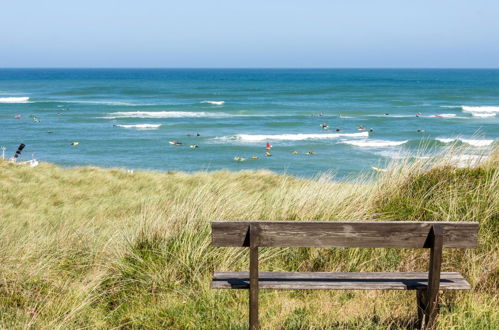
column 374, row 234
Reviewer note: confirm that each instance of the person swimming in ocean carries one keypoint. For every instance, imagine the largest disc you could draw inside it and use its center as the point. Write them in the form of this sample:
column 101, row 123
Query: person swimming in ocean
column 324, row 126
column 419, row 114
column 338, row 130
column 175, row 143
column 361, row 128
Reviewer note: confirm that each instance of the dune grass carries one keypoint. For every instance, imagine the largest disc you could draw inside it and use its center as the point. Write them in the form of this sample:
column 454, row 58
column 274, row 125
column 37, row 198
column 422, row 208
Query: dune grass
column 104, row 248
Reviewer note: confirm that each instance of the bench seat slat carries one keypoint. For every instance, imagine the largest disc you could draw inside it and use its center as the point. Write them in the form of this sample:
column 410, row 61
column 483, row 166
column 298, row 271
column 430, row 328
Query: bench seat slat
column 338, row 281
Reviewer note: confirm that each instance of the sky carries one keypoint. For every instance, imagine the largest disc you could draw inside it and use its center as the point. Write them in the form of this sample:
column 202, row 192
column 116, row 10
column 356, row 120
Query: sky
column 250, row 34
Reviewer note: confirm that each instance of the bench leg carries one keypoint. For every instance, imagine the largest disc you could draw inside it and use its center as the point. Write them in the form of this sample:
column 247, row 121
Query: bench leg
column 253, row 301
column 431, row 311
column 420, row 300
column 253, row 291
column 431, row 294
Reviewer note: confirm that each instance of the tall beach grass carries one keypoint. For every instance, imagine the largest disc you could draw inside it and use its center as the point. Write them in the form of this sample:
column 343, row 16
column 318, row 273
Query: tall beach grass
column 105, row 248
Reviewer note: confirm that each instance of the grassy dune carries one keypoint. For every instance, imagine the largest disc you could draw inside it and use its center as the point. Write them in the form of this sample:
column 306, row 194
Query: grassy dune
column 102, row 248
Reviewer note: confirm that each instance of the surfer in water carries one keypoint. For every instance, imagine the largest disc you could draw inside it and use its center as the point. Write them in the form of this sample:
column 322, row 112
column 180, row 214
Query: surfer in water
column 268, row 146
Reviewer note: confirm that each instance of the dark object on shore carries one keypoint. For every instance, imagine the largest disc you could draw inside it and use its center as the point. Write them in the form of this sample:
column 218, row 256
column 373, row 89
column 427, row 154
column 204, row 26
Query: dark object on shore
column 19, row 150
column 369, row 234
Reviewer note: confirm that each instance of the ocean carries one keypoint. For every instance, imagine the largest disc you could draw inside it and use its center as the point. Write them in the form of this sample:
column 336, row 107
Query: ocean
column 343, row 121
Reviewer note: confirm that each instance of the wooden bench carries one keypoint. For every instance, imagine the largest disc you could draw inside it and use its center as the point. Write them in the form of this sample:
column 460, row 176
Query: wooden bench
column 372, row 234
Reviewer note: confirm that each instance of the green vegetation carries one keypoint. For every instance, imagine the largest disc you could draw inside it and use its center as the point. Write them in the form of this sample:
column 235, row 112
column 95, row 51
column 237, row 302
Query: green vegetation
column 96, row 248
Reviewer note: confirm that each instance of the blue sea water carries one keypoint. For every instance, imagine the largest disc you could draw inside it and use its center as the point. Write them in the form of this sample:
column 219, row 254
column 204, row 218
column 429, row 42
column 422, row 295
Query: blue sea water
column 127, row 117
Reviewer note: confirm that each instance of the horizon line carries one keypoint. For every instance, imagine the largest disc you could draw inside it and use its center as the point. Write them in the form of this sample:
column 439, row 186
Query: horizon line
column 249, row 68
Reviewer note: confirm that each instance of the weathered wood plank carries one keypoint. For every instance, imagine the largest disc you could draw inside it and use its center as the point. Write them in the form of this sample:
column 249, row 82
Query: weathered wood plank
column 381, row 234
column 339, row 281
column 431, row 304
column 253, row 275
column 420, row 302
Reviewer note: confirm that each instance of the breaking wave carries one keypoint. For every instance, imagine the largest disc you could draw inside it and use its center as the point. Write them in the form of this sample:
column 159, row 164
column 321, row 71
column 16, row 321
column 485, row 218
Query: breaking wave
column 118, row 103
column 20, row 99
column 214, row 102
column 484, row 111
column 289, row 137
column 489, row 109
column 165, row 114
column 445, row 115
column 471, row 142
column 481, row 112
column 374, row 143
column 141, row 126
column 450, row 106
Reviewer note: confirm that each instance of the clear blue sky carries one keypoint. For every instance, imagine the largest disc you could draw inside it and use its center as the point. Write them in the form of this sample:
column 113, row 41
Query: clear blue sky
column 256, row 33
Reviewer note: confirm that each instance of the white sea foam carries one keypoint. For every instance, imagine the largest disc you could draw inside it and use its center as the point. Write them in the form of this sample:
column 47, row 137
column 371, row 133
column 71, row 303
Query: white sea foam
column 391, row 154
column 482, row 109
column 471, row 142
column 445, row 115
column 374, row 143
column 164, row 114
column 467, row 160
column 450, row 106
column 214, row 102
column 393, row 116
column 20, row 99
column 290, row 137
column 399, row 154
column 141, row 126
column 127, row 104
column 483, row 114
